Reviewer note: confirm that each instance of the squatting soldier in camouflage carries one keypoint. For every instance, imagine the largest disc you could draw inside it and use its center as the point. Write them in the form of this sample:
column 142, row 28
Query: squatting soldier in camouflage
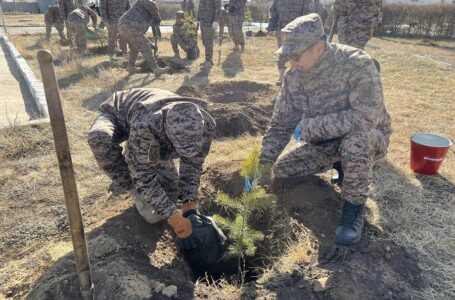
column 188, row 7
column 281, row 13
column 66, row 7
column 333, row 94
column 186, row 38
column 208, row 17
column 52, row 18
column 159, row 126
column 357, row 21
column 111, row 11
column 78, row 20
column 236, row 10
column 132, row 27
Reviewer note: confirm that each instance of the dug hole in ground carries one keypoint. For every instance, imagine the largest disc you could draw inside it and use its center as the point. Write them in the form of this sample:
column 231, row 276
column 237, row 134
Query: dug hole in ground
column 132, row 259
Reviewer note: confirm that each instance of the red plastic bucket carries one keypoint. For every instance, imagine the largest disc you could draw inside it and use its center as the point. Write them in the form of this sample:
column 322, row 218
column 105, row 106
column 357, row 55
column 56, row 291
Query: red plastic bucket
column 427, row 152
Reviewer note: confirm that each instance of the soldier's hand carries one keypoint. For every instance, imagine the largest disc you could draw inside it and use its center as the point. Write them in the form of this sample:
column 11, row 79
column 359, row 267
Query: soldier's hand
column 181, row 225
column 215, row 25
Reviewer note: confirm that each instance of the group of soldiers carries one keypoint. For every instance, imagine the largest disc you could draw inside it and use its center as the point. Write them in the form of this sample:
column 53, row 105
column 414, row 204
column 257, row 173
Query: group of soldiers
column 331, row 98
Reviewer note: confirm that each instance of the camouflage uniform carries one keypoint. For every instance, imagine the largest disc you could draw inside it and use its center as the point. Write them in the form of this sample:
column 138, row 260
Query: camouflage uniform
column 188, row 7
column 66, row 7
column 188, row 43
column 132, row 27
column 77, row 25
column 339, row 107
column 159, row 126
column 321, row 10
column 52, row 18
column 281, row 13
column 209, row 12
column 111, row 11
column 236, row 17
column 357, row 21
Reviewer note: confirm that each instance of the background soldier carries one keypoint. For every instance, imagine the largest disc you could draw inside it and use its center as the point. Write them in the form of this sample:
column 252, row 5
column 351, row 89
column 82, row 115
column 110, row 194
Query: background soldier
column 281, row 13
column 53, row 18
column 236, row 10
column 208, row 17
column 132, row 27
column 66, row 7
column 333, row 94
column 357, row 21
column 188, row 7
column 111, row 11
column 184, row 35
column 78, row 20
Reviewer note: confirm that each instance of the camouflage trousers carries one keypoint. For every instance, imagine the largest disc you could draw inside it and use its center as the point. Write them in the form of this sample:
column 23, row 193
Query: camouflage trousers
column 76, row 31
column 137, row 42
column 112, row 31
column 207, row 35
column 191, row 52
column 236, row 23
column 60, row 28
column 355, row 36
column 281, row 60
column 105, row 137
column 357, row 152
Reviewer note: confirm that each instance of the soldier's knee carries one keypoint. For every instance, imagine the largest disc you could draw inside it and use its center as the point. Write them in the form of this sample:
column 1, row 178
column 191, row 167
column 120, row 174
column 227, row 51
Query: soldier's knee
column 355, row 142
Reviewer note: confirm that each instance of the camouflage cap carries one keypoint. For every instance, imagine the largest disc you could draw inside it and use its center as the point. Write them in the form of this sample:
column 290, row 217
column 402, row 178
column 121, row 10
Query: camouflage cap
column 180, row 13
column 184, row 127
column 301, row 34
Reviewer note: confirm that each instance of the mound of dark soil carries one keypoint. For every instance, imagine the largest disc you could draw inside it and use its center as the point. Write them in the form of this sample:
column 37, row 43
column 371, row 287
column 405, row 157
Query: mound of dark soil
column 238, row 106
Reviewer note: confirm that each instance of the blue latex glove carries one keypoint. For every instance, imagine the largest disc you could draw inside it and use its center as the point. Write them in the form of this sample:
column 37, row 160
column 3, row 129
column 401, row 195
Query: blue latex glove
column 297, row 133
column 248, row 185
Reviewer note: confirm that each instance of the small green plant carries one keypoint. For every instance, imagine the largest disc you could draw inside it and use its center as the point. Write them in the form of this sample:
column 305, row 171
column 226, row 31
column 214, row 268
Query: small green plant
column 253, row 201
column 248, row 18
column 189, row 26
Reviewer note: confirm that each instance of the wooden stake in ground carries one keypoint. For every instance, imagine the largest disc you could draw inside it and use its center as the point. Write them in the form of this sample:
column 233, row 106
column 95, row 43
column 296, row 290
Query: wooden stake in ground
column 66, row 172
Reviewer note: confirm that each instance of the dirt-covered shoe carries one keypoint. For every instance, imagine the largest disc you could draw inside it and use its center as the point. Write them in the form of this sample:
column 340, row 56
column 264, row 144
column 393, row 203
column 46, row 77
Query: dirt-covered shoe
column 159, row 71
column 349, row 231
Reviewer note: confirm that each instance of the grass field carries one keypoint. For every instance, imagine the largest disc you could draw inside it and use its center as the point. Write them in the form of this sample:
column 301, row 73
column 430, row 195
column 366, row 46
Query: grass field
column 416, row 212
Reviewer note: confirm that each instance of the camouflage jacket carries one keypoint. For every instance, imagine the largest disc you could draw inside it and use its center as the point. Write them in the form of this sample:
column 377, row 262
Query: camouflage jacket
column 82, row 14
column 188, row 6
column 237, row 7
column 140, row 114
column 183, row 37
column 284, row 11
column 112, row 10
column 141, row 15
column 65, row 7
column 52, row 15
column 209, row 12
column 340, row 94
column 362, row 14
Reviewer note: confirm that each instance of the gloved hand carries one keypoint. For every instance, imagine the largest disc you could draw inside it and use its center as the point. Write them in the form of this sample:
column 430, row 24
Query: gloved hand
column 189, row 208
column 184, row 230
column 215, row 25
column 248, row 185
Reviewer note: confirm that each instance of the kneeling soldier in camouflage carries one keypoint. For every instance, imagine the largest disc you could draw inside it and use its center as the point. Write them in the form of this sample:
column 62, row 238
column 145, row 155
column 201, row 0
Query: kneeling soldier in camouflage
column 185, row 37
column 333, row 94
column 159, row 126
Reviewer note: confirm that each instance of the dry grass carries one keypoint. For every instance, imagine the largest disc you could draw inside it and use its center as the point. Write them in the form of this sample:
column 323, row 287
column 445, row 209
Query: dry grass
column 417, row 213
column 22, row 19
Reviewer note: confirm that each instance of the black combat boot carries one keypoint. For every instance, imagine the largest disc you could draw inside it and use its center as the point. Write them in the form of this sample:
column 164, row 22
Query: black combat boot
column 350, row 230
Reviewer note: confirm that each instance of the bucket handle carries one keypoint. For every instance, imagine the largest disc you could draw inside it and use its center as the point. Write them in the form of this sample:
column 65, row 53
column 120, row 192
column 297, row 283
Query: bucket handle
column 433, row 159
